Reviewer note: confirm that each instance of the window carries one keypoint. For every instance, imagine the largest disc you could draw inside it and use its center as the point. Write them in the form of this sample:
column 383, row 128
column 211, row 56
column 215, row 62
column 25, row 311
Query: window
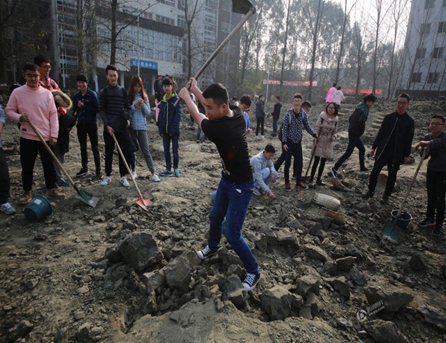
column 429, row 4
column 168, row 2
column 416, row 77
column 437, row 53
column 181, row 21
column 442, row 26
column 425, row 29
column 165, row 20
column 432, row 77
column 181, row 4
column 421, row 53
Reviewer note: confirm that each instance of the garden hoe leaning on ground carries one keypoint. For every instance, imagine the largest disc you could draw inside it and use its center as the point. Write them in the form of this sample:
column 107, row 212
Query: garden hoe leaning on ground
column 82, row 195
column 238, row 6
column 141, row 201
column 391, row 231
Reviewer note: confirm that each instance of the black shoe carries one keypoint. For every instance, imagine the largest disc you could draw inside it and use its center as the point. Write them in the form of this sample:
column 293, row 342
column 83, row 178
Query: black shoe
column 368, row 195
column 437, row 231
column 320, row 183
column 426, row 223
column 82, row 172
column 365, row 170
column 334, row 172
column 251, row 281
column 99, row 174
column 301, row 186
column 206, row 253
column 384, row 200
column 288, row 187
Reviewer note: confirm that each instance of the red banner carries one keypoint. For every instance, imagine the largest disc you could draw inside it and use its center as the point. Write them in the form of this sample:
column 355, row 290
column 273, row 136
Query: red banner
column 361, row 91
column 289, row 83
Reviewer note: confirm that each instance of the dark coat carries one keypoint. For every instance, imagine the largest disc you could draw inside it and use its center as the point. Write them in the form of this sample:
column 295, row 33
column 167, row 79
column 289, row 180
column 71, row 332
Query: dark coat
column 357, row 121
column 260, row 109
column 169, row 116
column 276, row 112
column 403, row 140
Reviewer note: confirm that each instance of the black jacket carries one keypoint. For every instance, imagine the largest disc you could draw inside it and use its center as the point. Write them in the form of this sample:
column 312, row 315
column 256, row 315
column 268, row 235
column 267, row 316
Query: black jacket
column 357, row 122
column 405, row 127
column 276, row 112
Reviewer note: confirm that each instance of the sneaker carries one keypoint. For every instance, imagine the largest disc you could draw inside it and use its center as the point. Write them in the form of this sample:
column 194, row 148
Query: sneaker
column 311, row 184
column 134, row 175
column 426, row 223
column 384, row 200
column 251, row 281
column 256, row 192
column 6, row 208
column 437, row 231
column 166, row 173
column 54, row 193
column 257, row 137
column 176, row 172
column 368, row 195
column 198, row 141
column 334, row 172
column 206, row 253
column 26, row 198
column 62, row 183
column 301, row 186
column 106, row 181
column 320, row 183
column 155, row 178
column 288, row 187
column 124, row 181
column 82, row 172
column 366, row 170
column 262, row 136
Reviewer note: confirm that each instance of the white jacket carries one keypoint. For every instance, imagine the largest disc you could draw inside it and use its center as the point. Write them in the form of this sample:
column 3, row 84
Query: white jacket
column 338, row 97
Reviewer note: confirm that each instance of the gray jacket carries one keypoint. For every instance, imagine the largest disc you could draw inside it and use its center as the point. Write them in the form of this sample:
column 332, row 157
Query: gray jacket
column 260, row 109
column 437, row 146
column 259, row 162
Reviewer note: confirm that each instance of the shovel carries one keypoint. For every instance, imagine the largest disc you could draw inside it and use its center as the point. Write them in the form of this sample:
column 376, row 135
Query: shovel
column 238, row 6
column 391, row 231
column 312, row 153
column 82, row 195
column 141, row 201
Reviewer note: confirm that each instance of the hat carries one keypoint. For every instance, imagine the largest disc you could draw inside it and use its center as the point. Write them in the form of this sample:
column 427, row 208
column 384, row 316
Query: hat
column 82, row 77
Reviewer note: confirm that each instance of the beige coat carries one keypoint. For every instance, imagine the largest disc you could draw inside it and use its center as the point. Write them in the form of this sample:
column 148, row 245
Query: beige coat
column 329, row 130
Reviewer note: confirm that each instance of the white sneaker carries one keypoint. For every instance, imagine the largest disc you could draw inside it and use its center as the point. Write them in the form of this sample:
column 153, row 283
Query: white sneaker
column 7, row 208
column 124, row 181
column 134, row 175
column 262, row 136
column 155, row 178
column 106, row 181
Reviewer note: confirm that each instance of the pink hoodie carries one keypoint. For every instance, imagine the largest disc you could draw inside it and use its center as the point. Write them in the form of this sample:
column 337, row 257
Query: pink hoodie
column 330, row 93
column 39, row 104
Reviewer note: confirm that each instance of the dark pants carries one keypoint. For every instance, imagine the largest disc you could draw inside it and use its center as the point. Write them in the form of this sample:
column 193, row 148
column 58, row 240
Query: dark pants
column 231, row 203
column 28, row 155
column 282, row 159
column 436, row 190
column 294, row 149
column 275, row 125
column 176, row 157
column 321, row 167
column 4, row 179
column 260, row 121
column 392, row 171
column 109, row 148
column 353, row 142
column 84, row 129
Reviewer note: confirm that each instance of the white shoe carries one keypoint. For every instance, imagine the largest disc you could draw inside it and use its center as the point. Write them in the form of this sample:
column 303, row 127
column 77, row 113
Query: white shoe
column 106, row 181
column 134, row 175
column 124, row 181
column 155, row 178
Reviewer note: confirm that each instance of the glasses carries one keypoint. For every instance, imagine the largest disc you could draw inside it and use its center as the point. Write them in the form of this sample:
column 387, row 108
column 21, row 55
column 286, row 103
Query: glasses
column 34, row 76
column 436, row 124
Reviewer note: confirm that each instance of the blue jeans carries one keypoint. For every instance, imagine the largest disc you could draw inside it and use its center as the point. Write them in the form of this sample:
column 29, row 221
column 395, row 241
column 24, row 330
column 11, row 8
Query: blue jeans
column 232, row 201
column 294, row 149
column 266, row 176
column 353, row 142
column 166, row 143
column 275, row 125
column 199, row 134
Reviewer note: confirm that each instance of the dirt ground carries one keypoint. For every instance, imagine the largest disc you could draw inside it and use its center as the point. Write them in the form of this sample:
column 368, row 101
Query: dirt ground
column 59, row 282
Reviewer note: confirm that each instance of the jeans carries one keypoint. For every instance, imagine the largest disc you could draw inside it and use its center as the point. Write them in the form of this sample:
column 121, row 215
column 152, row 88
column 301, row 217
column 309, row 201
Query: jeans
column 176, row 157
column 353, row 142
column 28, row 155
column 141, row 136
column 436, row 190
column 231, row 202
column 266, row 176
column 199, row 134
column 260, row 122
column 392, row 171
column 275, row 125
column 5, row 184
column 84, row 129
column 109, row 148
column 60, row 158
column 294, row 149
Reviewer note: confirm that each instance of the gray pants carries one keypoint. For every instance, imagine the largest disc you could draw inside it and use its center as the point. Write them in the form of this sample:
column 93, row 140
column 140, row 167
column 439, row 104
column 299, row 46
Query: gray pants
column 141, row 136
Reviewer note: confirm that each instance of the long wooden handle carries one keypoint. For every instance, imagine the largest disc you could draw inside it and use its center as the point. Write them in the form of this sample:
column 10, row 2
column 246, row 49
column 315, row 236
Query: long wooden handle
column 220, row 47
column 313, row 151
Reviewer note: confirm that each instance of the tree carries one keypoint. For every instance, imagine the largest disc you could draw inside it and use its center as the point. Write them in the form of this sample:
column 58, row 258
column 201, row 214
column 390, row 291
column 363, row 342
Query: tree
column 285, row 45
column 190, row 13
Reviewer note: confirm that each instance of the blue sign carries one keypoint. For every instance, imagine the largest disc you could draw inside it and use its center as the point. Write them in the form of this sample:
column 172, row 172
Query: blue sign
column 143, row 64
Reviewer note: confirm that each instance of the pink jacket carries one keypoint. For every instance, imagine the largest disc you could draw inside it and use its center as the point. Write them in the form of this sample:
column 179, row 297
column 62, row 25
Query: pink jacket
column 39, row 104
column 330, row 93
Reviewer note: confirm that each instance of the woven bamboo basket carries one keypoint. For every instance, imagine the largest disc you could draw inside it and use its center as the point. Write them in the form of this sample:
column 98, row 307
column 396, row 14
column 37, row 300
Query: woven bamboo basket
column 338, row 218
column 327, row 201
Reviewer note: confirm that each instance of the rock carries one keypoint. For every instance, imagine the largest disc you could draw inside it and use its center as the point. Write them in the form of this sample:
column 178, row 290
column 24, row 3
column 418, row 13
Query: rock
column 78, row 314
column 357, row 277
column 443, row 270
column 433, row 316
column 238, row 298
column 229, row 258
column 140, row 250
column 278, row 302
column 417, row 264
column 61, row 336
column 305, row 312
column 178, row 273
column 314, row 303
column 32, row 283
column 153, row 281
column 384, row 331
column 96, row 332
column 330, row 267
column 316, row 230
column 340, row 285
column 194, row 260
column 113, row 254
column 83, row 332
column 316, row 253
column 345, row 263
column 150, row 305
column 22, row 329
column 288, row 239
column 344, row 323
column 308, row 283
column 295, row 224
column 393, row 299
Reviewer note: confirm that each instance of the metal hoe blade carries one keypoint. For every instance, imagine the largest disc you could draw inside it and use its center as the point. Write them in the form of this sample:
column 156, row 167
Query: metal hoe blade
column 241, row 6
column 391, row 232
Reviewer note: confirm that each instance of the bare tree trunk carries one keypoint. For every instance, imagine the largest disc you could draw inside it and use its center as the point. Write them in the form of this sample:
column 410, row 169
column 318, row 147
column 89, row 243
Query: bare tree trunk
column 284, row 46
column 320, row 10
column 80, row 35
column 54, row 44
column 341, row 49
column 114, row 34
